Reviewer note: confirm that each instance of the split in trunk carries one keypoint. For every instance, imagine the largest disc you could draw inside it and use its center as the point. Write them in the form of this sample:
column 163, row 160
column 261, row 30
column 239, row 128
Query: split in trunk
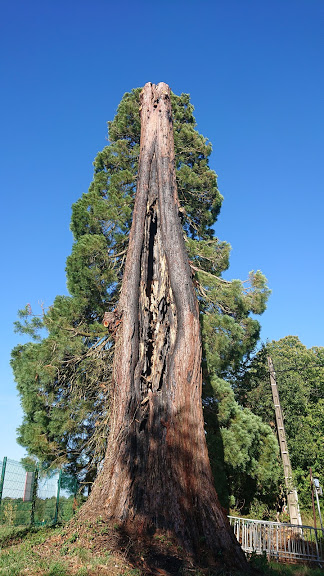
column 156, row 474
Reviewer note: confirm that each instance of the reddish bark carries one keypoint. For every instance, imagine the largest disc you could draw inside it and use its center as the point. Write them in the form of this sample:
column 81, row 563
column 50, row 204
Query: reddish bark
column 156, row 473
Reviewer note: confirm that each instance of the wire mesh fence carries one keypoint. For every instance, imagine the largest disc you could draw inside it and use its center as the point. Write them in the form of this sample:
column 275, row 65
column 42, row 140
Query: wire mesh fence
column 30, row 496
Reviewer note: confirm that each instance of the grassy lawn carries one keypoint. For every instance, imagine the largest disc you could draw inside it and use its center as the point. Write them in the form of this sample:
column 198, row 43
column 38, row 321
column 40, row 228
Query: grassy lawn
column 262, row 566
column 56, row 552
column 45, row 552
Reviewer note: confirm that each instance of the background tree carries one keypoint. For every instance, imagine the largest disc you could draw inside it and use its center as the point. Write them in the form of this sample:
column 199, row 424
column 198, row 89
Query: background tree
column 300, row 379
column 64, row 374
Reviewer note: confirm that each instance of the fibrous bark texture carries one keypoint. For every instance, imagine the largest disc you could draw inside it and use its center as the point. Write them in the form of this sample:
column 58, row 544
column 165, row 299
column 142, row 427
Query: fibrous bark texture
column 156, row 473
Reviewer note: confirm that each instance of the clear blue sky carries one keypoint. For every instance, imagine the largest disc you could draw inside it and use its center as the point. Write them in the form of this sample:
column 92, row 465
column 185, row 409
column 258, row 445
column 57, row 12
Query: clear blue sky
column 254, row 70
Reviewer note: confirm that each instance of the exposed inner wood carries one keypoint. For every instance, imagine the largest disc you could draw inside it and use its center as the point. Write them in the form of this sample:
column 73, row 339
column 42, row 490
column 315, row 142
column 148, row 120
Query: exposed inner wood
column 157, row 311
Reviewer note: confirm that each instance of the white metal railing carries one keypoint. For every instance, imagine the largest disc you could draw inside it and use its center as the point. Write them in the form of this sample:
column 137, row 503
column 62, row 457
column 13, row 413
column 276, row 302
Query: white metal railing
column 279, row 541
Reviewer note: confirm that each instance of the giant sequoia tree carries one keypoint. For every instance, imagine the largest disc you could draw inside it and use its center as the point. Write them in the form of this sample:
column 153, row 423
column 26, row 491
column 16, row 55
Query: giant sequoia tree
column 64, row 376
column 156, row 473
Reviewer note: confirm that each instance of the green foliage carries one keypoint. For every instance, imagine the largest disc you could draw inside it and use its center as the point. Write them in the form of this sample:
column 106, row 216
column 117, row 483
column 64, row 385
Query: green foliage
column 300, row 380
column 58, row 383
column 64, row 379
column 247, row 447
column 27, row 325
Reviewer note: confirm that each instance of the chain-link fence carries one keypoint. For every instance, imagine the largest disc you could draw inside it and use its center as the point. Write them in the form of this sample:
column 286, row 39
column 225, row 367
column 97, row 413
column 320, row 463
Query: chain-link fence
column 29, row 496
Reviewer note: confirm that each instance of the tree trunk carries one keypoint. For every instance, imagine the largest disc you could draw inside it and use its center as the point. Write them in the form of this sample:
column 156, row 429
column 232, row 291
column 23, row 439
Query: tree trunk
column 156, row 473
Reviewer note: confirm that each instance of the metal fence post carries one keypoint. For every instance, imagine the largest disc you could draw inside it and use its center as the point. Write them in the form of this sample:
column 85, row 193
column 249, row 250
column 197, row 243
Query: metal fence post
column 3, row 472
column 76, row 486
column 58, row 497
column 34, row 496
column 75, row 502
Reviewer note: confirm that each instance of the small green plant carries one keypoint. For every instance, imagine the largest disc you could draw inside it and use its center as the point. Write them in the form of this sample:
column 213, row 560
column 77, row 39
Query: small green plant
column 74, row 537
column 107, row 555
column 57, row 569
column 83, row 571
column 259, row 562
column 10, row 513
column 160, row 537
column 99, row 520
column 82, row 553
column 64, row 550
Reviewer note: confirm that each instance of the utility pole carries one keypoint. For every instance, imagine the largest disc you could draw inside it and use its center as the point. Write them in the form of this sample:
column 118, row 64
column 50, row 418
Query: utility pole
column 313, row 503
column 292, row 498
column 315, row 485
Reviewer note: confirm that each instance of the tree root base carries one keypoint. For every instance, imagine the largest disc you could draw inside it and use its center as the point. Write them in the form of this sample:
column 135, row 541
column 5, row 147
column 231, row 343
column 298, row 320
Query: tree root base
column 157, row 554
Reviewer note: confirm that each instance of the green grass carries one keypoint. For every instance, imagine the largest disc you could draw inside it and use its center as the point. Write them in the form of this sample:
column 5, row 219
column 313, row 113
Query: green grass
column 16, row 551
column 51, row 551
column 47, row 552
column 261, row 564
